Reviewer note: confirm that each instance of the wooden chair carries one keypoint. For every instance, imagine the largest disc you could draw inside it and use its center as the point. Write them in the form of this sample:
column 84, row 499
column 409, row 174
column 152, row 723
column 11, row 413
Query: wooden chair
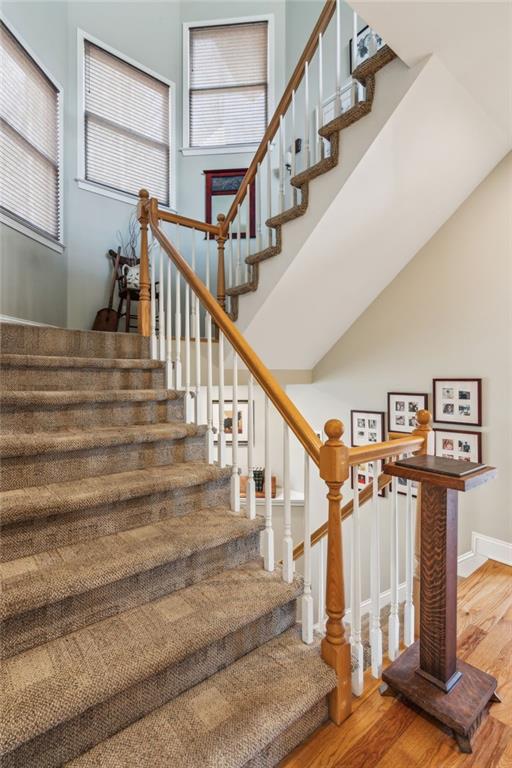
column 127, row 294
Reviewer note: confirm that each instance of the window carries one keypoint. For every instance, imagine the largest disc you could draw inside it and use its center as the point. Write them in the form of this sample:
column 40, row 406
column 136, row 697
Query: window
column 30, row 188
column 227, row 84
column 126, row 127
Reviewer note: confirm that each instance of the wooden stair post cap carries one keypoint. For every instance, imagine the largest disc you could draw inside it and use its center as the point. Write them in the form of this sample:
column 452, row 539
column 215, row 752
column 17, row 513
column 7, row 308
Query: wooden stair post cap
column 334, row 428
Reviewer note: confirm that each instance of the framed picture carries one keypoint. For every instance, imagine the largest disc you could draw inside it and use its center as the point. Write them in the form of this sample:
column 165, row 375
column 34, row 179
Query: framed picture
column 221, row 187
column 402, row 410
column 458, row 401
column 368, row 43
column 458, row 444
column 230, row 422
column 366, row 427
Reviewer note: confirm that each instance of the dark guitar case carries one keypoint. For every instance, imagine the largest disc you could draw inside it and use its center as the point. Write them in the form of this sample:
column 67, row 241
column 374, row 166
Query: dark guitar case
column 107, row 319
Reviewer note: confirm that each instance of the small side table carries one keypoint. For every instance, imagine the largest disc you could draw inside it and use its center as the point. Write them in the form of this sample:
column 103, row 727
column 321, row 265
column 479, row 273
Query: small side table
column 428, row 674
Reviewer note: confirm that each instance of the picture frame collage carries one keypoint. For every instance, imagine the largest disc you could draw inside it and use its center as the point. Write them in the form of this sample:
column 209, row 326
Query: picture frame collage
column 456, row 401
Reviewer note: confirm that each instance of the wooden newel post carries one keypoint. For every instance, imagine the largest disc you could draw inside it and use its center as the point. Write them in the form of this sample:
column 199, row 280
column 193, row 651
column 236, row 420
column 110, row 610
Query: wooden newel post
column 424, row 429
column 221, row 270
column 144, row 319
column 334, row 469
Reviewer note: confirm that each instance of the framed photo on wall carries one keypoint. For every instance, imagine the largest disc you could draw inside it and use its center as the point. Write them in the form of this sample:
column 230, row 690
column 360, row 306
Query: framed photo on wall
column 458, row 401
column 458, row 444
column 229, row 421
column 402, row 410
column 221, row 187
column 368, row 43
column 366, row 427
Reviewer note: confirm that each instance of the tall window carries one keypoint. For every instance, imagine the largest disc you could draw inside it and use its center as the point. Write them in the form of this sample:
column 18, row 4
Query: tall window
column 29, row 135
column 227, row 84
column 126, row 125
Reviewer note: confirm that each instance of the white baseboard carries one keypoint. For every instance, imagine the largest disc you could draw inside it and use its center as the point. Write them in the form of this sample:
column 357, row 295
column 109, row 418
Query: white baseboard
column 21, row 321
column 489, row 547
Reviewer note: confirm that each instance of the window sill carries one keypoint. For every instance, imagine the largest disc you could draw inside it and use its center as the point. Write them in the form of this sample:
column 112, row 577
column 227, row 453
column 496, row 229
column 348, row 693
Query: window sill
column 90, row 186
column 24, row 229
column 231, row 150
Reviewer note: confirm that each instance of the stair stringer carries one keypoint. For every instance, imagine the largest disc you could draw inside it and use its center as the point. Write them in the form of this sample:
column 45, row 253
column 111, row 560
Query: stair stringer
column 405, row 169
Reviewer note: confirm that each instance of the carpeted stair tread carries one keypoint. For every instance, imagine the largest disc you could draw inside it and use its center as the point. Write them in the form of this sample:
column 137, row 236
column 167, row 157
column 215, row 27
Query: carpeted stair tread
column 67, row 439
column 63, row 361
column 61, row 398
column 69, row 675
column 49, row 577
column 61, row 498
column 227, row 720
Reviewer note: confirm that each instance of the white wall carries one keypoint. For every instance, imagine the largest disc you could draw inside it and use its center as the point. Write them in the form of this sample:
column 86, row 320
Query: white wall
column 448, row 313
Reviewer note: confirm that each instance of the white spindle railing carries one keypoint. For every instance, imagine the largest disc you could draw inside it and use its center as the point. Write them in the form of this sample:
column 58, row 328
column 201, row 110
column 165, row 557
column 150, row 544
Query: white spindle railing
column 394, row 618
column 287, row 510
column 268, row 533
column 221, row 437
column 375, row 626
column 355, row 593
column 409, row 568
column 307, row 597
column 177, row 318
column 251, row 488
column 235, row 476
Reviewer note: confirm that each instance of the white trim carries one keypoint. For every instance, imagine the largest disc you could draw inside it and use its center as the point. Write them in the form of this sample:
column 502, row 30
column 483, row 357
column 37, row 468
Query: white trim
column 26, row 229
column 187, row 26
column 225, row 150
column 20, row 321
column 468, row 562
column 99, row 189
column 494, row 549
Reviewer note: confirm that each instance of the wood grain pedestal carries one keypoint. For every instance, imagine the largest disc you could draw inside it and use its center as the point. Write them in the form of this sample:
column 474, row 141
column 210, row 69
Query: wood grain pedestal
column 428, row 674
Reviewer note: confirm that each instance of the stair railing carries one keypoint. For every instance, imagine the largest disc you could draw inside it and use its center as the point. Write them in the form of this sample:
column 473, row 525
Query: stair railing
column 206, row 389
column 300, row 141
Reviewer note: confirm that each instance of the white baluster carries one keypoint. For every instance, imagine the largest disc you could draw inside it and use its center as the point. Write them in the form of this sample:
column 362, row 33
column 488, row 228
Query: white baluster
column 235, row 475
column 247, row 236
column 322, row 577
column 306, row 116
column 221, row 442
column 293, row 147
column 209, row 368
column 320, row 90
column 355, row 601
column 269, row 190
column 161, row 307
column 287, row 509
column 154, row 344
column 268, row 533
column 231, row 270
column 177, row 331
column 187, row 353
column 318, row 142
column 259, row 212
column 375, row 628
column 354, row 40
column 196, row 330
column 307, row 597
column 168, row 329
column 251, row 487
column 394, row 620
column 238, row 269
column 281, row 165
column 409, row 568
column 338, row 59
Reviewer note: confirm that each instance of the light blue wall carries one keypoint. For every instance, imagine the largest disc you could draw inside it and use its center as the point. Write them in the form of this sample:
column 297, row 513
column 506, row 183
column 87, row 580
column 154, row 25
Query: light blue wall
column 72, row 286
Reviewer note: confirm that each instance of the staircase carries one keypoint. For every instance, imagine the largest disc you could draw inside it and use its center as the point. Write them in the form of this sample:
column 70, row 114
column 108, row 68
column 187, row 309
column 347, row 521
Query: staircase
column 138, row 625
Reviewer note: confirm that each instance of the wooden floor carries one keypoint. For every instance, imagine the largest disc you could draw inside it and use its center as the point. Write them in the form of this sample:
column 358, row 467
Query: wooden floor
column 386, row 733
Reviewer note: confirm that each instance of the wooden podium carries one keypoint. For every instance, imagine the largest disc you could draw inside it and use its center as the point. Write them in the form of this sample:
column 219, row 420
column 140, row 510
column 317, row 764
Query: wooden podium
column 428, row 674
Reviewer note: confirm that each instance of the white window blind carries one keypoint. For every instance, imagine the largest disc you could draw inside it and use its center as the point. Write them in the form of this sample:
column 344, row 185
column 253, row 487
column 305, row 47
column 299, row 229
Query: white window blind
column 228, row 76
column 126, row 126
column 29, row 138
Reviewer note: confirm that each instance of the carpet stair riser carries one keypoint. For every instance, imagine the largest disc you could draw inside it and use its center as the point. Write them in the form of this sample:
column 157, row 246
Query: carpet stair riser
column 37, row 626
column 22, row 471
column 33, row 536
column 41, row 418
column 51, row 379
column 103, row 720
column 33, row 340
column 291, row 737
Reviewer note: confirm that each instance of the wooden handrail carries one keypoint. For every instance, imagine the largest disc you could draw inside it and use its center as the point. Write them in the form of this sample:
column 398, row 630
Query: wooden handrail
column 360, row 454
column 294, row 82
column 290, row 413
column 364, row 496
column 185, row 221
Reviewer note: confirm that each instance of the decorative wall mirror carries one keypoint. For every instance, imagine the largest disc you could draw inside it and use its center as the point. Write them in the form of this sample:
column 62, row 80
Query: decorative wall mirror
column 221, row 187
